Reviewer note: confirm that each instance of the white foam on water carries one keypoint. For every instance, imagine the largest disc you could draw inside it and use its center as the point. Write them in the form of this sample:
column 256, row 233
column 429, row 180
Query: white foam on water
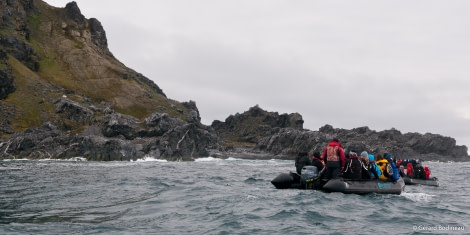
column 150, row 159
column 78, row 159
column 418, row 197
column 234, row 159
column 12, row 160
column 207, row 159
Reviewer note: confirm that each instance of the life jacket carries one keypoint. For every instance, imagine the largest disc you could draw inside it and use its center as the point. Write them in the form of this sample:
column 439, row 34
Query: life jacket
column 332, row 153
column 385, row 168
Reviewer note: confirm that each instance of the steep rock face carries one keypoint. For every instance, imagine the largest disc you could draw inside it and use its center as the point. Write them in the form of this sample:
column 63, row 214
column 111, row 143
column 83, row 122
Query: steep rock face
column 286, row 140
column 21, row 51
column 15, row 31
column 6, row 79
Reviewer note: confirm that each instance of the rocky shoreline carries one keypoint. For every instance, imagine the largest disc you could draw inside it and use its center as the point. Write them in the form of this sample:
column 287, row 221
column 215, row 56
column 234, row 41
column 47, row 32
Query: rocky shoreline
column 254, row 134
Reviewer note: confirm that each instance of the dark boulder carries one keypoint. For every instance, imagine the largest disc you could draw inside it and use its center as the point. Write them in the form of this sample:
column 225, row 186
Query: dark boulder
column 117, row 125
column 158, row 124
column 74, row 111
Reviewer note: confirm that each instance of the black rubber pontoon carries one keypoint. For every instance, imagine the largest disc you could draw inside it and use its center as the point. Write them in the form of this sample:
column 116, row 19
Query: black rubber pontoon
column 285, row 181
column 307, row 180
column 364, row 186
column 431, row 182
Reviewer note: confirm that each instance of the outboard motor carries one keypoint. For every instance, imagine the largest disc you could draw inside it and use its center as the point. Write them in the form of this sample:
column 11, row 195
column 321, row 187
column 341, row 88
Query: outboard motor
column 309, row 177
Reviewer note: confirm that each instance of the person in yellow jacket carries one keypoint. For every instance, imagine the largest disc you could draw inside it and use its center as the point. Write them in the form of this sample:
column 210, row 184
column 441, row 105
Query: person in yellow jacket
column 384, row 167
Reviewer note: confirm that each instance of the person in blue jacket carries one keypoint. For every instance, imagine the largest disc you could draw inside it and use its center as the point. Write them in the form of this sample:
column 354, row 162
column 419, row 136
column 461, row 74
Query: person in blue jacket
column 373, row 168
column 396, row 175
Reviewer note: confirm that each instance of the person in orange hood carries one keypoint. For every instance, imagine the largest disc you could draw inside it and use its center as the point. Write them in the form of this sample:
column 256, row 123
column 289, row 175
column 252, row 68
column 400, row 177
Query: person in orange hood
column 333, row 156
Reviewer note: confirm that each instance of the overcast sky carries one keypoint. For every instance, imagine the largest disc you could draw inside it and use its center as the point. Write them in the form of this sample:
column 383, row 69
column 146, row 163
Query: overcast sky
column 382, row 64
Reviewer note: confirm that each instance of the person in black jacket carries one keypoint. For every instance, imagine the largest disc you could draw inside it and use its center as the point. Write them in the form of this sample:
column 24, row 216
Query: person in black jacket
column 317, row 161
column 355, row 168
column 302, row 160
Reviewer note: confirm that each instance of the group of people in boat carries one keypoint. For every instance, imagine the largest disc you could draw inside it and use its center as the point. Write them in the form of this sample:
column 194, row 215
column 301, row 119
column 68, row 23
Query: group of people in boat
column 333, row 162
column 413, row 168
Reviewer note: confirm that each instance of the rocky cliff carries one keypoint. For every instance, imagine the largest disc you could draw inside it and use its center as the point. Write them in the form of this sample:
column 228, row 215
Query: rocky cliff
column 283, row 136
column 63, row 94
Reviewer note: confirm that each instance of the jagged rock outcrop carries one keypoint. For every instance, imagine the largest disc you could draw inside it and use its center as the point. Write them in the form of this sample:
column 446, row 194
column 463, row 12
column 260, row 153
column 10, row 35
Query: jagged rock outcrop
column 249, row 127
column 114, row 137
column 285, row 139
column 76, row 24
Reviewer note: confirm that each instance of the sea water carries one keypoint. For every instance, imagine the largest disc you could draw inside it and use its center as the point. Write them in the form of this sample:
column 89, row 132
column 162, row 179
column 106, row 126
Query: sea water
column 215, row 196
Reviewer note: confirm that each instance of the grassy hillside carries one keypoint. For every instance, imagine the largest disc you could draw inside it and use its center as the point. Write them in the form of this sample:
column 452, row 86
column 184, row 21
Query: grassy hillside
column 64, row 56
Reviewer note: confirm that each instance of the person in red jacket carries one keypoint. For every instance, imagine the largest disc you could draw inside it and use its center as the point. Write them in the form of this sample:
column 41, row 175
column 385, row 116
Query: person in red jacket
column 333, row 156
column 410, row 171
column 427, row 171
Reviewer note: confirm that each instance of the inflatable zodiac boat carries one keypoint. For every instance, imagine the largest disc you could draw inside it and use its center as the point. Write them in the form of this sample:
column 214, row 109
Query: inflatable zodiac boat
column 430, row 182
column 309, row 179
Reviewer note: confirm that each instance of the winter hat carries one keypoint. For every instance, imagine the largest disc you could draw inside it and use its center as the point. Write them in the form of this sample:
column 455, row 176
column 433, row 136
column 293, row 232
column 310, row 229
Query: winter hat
column 388, row 156
column 364, row 154
column 371, row 158
column 316, row 154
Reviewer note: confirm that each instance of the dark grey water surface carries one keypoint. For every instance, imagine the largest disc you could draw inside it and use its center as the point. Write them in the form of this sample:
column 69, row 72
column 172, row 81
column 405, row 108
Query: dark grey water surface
column 213, row 196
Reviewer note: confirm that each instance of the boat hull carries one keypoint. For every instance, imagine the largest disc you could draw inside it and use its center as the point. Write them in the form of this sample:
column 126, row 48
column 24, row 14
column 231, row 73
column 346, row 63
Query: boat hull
column 294, row 181
column 431, row 182
column 364, row 186
column 285, row 181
